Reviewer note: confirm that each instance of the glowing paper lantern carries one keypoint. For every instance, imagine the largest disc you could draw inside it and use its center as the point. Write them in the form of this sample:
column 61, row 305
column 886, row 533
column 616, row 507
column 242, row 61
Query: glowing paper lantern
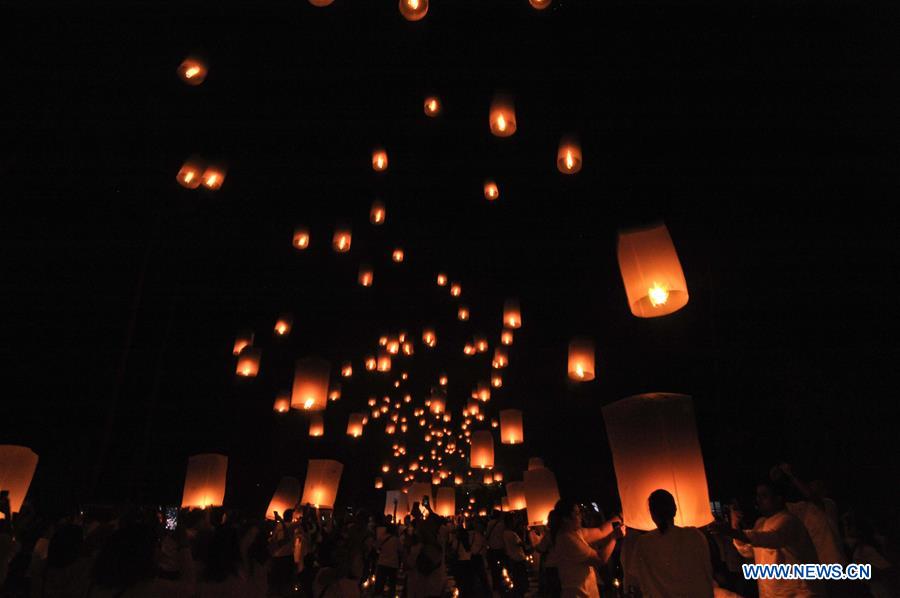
column 189, row 175
column 540, row 4
column 654, row 282
column 283, row 324
column 515, row 492
column 398, row 255
column 429, row 337
column 192, row 71
column 491, row 190
column 316, row 425
column 502, row 116
column 301, row 237
column 384, row 362
column 512, row 431
column 17, row 465
column 432, row 106
column 379, row 160
column 581, row 359
column 334, row 394
column 204, row 484
column 320, row 2
column 347, row 369
column 243, row 340
column 512, row 314
column 282, row 403
column 413, row 10
column 355, row 424
column 366, row 275
column 341, row 240
column 213, row 177
column 379, row 483
column 248, row 362
column 441, row 279
column 396, row 504
column 462, row 313
column 541, row 494
column 310, row 391
column 323, row 476
column 568, row 157
column 286, row 496
column 377, row 214
column 653, row 439
column 482, row 450
column 418, row 491
column 455, row 289
column 446, row 502
column 506, row 337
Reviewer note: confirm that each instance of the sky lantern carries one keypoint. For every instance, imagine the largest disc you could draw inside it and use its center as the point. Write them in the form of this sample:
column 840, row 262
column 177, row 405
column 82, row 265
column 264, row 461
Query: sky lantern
column 397, row 255
column 396, row 504
column 512, row 314
column 379, row 483
column 496, row 380
column 347, row 370
column 192, row 71
column 366, row 275
column 243, row 340
column 568, row 157
column 442, row 380
column 653, row 439
column 483, row 391
column 301, row 238
column 323, row 476
column 482, row 450
column 283, row 324
column 282, row 403
column 320, row 2
column 189, row 174
column 540, row 4
column 581, row 360
column 515, row 492
column 438, row 405
column 379, row 160
column 286, row 496
column 342, row 239
column 654, row 282
column 355, row 424
column 446, row 502
column 377, row 214
column 491, row 190
column 441, row 279
column 498, row 476
column 334, row 393
column 506, row 337
column 501, row 359
column 418, row 490
column 17, row 466
column 311, row 376
column 462, row 313
column 248, row 362
column 213, row 177
column 204, row 483
column 432, row 106
column 502, row 116
column 487, row 478
column 512, row 431
column 455, row 289
column 371, row 363
column 384, row 362
column 541, row 494
column 316, row 425
column 413, row 10
column 429, row 338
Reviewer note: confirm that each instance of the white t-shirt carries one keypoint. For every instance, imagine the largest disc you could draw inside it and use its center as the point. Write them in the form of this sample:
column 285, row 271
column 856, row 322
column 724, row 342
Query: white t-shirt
column 571, row 554
column 675, row 564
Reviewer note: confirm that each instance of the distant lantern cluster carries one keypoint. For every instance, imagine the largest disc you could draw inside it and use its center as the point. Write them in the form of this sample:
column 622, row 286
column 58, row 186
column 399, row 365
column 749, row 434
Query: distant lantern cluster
column 195, row 173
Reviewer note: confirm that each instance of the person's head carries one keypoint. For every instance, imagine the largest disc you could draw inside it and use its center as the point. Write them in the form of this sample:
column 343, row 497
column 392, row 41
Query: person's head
column 662, row 509
column 288, row 515
column 567, row 517
column 769, row 498
column 4, row 494
column 128, row 558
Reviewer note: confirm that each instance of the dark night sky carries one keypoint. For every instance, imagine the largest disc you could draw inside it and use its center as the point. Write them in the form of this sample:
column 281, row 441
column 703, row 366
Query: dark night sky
column 764, row 136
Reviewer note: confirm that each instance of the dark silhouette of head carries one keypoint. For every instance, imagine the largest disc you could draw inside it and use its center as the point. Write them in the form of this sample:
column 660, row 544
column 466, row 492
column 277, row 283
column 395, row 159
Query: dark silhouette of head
column 770, row 498
column 662, row 509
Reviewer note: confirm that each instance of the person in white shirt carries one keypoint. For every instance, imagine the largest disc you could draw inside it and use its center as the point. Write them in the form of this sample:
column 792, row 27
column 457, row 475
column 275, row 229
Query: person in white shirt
column 575, row 559
column 672, row 561
column 387, row 543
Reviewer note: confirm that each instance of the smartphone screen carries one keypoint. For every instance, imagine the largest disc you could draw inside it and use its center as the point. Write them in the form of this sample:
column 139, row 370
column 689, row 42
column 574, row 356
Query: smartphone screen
column 171, row 514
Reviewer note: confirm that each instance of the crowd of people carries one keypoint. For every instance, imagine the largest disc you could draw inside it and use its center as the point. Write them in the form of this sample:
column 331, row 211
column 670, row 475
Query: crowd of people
column 215, row 553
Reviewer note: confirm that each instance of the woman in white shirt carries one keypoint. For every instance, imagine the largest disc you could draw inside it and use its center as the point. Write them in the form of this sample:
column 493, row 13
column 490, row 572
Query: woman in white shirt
column 575, row 559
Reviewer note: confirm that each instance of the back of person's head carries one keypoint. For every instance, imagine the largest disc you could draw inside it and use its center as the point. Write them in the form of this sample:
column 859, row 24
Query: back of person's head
column 770, row 497
column 289, row 515
column 662, row 509
column 65, row 546
column 561, row 513
column 223, row 554
column 128, row 558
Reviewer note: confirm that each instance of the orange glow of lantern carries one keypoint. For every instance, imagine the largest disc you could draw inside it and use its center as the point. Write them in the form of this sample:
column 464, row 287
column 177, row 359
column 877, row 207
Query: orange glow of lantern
column 347, row 369
column 506, row 337
column 243, row 340
column 320, row 2
column 316, row 425
column 540, row 4
column 397, row 255
column 355, row 424
column 501, row 359
column 213, row 177
column 429, row 337
column 301, row 237
column 483, row 392
column 379, row 160
column 248, row 362
column 482, row 450
column 437, row 406
column 496, row 380
column 413, row 10
column 442, row 380
column 282, row 403
column 491, row 190
column 283, row 324
column 568, row 157
column 310, row 391
column 515, row 492
column 323, row 476
column 653, row 439
column 418, row 491
column 498, row 476
column 366, row 275
column 384, row 362
column 379, row 483
column 581, row 360
column 462, row 313
column 341, row 240
column 432, row 106
column 441, row 279
column 377, row 214
column 371, row 363
column 511, row 427
column 204, row 483
column 335, row 393
column 455, row 289
column 192, row 71
column 189, row 175
column 502, row 116
column 654, row 282
column 446, row 502
column 541, row 494
column 17, row 466
column 396, row 504
column 487, row 478
column 286, row 496
column 512, row 314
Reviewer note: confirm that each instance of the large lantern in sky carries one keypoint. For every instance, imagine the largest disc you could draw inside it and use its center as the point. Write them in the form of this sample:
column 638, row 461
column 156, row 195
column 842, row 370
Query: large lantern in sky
column 446, row 501
column 511, row 429
column 482, row 450
column 316, row 425
column 515, row 492
column 491, row 190
column 654, row 281
column 213, row 177
column 323, row 476
column 192, row 71
column 17, row 465
column 310, row 391
column 204, row 483
column 282, row 403
column 540, row 4
column 283, row 324
column 541, row 494
column 512, row 314
column 248, row 362
column 413, row 10
column 502, row 116
column 342, row 239
column 301, row 238
column 377, row 214
column 189, row 174
column 581, row 360
column 568, row 157
column 286, row 496
column 243, row 340
column 320, row 2
column 379, row 160
column 355, row 424
column 653, row 439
